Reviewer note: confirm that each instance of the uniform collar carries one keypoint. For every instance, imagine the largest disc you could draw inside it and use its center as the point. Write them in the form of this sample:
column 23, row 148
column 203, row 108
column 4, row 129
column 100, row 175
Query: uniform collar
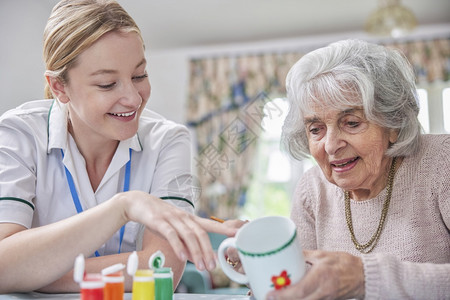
column 57, row 130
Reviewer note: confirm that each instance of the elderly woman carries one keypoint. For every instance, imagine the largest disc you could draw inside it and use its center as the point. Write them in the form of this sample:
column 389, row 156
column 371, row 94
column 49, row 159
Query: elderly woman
column 374, row 215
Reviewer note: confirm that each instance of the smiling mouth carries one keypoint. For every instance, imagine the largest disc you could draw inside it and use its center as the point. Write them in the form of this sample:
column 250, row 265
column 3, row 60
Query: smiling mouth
column 123, row 114
column 345, row 163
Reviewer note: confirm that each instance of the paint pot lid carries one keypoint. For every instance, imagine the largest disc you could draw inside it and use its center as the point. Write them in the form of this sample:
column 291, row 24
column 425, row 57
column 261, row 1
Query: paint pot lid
column 144, row 273
column 157, row 260
column 113, row 269
column 78, row 269
column 132, row 265
column 92, row 281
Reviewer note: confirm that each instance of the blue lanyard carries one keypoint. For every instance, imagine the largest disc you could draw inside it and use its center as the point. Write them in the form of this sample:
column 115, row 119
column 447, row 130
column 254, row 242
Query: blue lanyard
column 76, row 200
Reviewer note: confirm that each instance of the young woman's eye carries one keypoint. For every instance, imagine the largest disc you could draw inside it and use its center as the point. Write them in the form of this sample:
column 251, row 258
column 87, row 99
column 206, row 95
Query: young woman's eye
column 141, row 77
column 107, row 86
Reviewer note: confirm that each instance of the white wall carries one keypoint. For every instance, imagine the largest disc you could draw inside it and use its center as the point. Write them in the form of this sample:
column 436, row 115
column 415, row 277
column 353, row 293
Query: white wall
column 168, row 72
column 21, row 66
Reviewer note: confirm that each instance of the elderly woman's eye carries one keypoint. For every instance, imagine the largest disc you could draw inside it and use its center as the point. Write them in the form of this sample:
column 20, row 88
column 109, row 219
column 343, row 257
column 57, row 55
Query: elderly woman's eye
column 314, row 130
column 356, row 126
column 353, row 124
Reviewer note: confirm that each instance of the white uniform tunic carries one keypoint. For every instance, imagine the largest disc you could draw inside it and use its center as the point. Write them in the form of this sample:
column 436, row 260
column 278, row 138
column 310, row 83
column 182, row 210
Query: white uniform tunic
column 34, row 190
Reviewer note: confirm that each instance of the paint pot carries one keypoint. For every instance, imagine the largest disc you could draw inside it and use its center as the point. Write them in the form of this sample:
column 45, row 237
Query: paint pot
column 143, row 285
column 163, row 276
column 91, row 287
column 114, row 282
column 143, row 281
column 163, row 283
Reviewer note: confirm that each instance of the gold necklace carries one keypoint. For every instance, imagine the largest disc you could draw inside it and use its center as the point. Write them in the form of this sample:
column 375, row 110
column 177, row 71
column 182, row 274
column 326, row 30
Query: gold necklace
column 368, row 247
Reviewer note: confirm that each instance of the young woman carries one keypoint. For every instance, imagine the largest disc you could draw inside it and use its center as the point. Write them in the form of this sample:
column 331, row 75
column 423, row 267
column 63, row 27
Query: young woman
column 92, row 170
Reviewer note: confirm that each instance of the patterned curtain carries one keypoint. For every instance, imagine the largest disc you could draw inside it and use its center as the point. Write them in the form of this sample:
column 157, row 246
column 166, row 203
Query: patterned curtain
column 430, row 58
column 225, row 110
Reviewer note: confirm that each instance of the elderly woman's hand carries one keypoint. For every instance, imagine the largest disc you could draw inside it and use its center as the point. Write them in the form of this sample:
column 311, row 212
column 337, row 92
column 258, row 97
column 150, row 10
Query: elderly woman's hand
column 232, row 253
column 333, row 275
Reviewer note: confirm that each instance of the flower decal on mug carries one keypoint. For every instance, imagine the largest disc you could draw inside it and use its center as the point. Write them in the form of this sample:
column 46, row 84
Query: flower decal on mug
column 281, row 280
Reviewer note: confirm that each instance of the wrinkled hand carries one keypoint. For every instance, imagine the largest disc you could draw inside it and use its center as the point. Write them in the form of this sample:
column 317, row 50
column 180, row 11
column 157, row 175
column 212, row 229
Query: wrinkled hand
column 233, row 259
column 333, row 275
column 232, row 253
column 186, row 233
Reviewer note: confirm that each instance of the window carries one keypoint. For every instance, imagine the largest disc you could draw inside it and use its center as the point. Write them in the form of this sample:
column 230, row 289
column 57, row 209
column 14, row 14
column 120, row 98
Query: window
column 275, row 172
column 446, row 108
column 423, row 113
column 434, row 114
column 268, row 192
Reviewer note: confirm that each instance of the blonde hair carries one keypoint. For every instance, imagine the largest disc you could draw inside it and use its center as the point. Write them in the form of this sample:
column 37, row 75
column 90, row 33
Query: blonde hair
column 73, row 26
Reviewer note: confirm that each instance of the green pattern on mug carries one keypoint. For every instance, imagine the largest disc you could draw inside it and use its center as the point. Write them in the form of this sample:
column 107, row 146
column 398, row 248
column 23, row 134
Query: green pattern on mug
column 270, row 252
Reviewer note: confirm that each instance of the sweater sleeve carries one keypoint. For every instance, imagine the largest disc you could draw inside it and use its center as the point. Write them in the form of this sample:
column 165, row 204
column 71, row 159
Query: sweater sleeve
column 387, row 277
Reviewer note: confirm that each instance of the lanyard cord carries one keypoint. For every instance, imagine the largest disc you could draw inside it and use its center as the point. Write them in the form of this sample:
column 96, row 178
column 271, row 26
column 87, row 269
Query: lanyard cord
column 76, row 200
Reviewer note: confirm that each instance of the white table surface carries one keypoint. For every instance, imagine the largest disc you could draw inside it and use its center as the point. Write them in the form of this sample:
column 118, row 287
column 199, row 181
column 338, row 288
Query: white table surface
column 177, row 296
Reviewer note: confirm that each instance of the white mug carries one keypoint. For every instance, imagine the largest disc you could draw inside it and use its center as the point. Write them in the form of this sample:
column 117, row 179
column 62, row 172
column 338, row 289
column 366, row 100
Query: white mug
column 270, row 253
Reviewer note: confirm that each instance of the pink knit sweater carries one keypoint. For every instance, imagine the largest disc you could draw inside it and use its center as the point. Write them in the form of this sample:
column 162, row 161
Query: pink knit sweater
column 412, row 257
